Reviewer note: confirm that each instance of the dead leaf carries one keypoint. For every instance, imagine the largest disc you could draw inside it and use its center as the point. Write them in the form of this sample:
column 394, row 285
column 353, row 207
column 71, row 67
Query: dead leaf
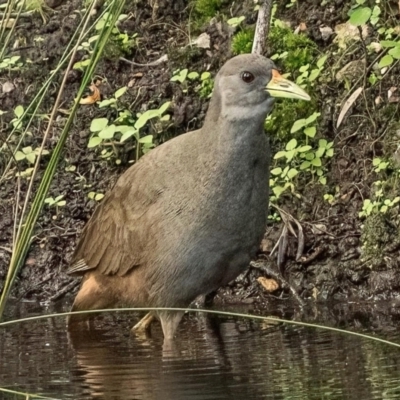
column 349, row 102
column 92, row 98
column 391, row 91
column 346, row 33
column 203, row 41
column 270, row 285
column 326, row 32
column 8, row 87
column 301, row 28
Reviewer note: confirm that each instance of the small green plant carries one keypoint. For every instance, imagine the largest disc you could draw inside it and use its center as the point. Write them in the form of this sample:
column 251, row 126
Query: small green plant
column 29, row 154
column 120, row 43
column 360, row 15
column 308, row 74
column 291, row 3
column 112, row 102
column 301, row 157
column 95, row 196
column 379, row 165
column 380, row 204
column 206, row 82
column 17, row 120
column 330, row 198
column 56, row 202
column 236, row 21
column 11, row 63
column 105, row 132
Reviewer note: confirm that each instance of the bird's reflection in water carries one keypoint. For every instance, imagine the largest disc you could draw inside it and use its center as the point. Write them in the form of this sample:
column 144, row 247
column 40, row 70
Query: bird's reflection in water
column 194, row 366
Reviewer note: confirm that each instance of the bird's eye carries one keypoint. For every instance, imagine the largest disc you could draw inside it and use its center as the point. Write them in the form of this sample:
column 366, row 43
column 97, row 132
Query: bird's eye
column 247, row 77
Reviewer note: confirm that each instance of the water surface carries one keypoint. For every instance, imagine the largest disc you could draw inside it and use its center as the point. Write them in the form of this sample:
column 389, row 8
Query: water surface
column 214, row 358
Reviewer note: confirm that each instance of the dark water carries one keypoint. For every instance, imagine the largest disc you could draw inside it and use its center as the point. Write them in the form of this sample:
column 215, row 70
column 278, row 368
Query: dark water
column 215, row 358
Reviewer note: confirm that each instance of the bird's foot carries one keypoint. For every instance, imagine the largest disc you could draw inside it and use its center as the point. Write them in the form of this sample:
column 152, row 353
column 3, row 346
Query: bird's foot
column 142, row 328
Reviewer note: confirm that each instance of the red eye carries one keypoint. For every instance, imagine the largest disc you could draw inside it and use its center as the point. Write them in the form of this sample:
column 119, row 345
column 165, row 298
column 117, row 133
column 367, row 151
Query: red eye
column 247, row 77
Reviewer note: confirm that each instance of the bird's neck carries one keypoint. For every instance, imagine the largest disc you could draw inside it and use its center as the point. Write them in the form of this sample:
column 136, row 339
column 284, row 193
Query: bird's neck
column 233, row 129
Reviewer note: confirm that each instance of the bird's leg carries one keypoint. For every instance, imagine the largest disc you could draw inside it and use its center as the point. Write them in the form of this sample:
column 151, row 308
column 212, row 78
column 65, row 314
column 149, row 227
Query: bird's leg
column 169, row 322
column 144, row 324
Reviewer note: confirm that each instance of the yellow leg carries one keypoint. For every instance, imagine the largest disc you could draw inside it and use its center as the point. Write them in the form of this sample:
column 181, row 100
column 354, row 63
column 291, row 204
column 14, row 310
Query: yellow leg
column 144, row 324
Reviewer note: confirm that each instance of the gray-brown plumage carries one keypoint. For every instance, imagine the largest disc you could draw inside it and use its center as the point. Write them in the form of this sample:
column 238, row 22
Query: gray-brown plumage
column 189, row 215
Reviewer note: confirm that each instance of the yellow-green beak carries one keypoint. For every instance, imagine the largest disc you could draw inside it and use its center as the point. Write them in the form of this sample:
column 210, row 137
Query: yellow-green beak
column 279, row 86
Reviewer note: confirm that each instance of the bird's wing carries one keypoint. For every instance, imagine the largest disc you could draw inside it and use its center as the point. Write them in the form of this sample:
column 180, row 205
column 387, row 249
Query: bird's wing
column 115, row 237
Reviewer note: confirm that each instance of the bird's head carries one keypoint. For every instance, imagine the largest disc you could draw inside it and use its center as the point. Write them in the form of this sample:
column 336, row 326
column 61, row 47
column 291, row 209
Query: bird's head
column 247, row 84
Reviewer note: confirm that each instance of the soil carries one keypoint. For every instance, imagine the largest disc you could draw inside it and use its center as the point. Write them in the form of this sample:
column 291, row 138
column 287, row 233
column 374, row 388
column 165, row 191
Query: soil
column 334, row 263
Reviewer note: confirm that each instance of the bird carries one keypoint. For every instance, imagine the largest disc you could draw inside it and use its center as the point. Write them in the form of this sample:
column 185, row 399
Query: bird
column 188, row 216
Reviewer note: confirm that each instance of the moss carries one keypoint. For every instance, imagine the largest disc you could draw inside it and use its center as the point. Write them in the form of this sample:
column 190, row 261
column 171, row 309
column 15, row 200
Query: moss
column 379, row 233
column 242, row 42
column 301, row 50
column 207, row 8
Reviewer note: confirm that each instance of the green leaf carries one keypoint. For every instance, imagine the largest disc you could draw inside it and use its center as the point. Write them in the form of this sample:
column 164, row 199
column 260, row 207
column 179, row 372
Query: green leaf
column 290, row 154
column 61, row 203
column 204, row 76
column 128, row 134
column 18, row 111
column 310, row 131
column 276, row 171
column 314, row 75
column 303, row 149
column 322, row 180
column 386, row 61
column 376, row 161
column 120, row 92
column 322, row 143
column 310, row 156
column 100, row 25
column 300, row 123
column 320, row 152
column 164, row 107
column 395, row 52
column 146, row 139
column 376, row 12
column 292, row 173
column 145, row 117
column 305, row 165
column 107, row 102
column 329, row 153
column 98, row 196
column 312, row 118
column 94, row 141
column 278, row 190
column 279, row 154
column 360, row 16
column 291, row 144
column 388, row 43
column 108, row 132
column 19, row 155
column 31, row 157
column 321, row 61
column 316, row 162
column 98, row 124
column 193, row 75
